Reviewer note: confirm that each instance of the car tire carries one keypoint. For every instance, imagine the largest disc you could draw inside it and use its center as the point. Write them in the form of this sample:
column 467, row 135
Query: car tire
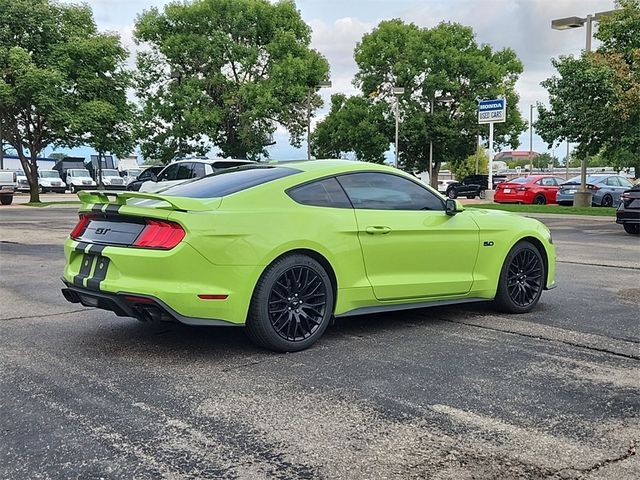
column 73, row 189
column 482, row 195
column 540, row 200
column 6, row 199
column 452, row 194
column 521, row 279
column 292, row 304
column 632, row 228
column 607, row 201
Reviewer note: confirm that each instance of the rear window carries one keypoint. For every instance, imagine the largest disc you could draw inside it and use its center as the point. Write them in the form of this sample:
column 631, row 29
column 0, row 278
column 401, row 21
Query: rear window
column 519, row 180
column 226, row 182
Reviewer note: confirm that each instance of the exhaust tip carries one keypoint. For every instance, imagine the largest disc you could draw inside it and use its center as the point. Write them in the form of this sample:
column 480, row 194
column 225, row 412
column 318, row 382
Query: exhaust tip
column 70, row 295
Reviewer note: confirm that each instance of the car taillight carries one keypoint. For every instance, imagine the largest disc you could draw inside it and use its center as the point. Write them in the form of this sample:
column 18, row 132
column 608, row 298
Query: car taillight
column 593, row 187
column 522, row 189
column 81, row 226
column 160, row 234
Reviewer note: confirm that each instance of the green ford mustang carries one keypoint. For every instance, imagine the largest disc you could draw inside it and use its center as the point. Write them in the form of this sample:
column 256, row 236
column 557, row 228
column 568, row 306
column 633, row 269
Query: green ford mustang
column 281, row 248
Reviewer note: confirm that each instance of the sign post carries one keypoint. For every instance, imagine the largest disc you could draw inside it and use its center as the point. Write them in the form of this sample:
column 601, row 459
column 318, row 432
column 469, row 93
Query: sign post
column 491, row 111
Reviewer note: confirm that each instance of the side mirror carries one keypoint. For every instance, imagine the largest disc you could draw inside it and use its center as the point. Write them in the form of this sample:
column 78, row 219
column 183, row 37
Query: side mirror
column 451, row 207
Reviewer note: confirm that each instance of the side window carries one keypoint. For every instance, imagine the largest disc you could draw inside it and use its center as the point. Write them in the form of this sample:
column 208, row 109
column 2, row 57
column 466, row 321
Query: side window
column 198, row 170
column 558, row 181
column 184, row 171
column 168, row 173
column 322, row 193
column 613, row 182
column 548, row 182
column 384, row 191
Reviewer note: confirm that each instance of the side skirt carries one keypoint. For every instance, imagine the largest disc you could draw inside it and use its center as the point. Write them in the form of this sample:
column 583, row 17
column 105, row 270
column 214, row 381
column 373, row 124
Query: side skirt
column 408, row 306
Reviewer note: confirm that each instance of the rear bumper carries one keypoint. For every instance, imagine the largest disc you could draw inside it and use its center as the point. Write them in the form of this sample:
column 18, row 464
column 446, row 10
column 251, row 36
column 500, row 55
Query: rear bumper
column 145, row 308
column 627, row 216
column 173, row 277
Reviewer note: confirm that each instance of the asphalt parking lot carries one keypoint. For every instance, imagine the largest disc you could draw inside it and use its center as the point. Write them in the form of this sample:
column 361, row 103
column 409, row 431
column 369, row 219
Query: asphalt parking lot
column 443, row 393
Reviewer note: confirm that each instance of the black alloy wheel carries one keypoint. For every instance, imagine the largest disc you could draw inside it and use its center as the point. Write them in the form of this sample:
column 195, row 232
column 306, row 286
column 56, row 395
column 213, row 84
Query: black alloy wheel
column 292, row 304
column 524, row 277
column 539, row 200
column 521, row 279
column 297, row 303
column 607, row 201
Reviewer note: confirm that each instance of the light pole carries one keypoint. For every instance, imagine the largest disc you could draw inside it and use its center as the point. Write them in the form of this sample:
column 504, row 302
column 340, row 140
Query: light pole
column 323, row 84
column 582, row 197
column 1, row 147
column 530, row 139
column 397, row 92
column 566, row 162
column 444, row 99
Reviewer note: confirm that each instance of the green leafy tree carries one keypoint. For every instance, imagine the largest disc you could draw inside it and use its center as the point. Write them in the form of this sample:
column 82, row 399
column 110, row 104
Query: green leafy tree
column 224, row 73
column 479, row 162
column 595, row 99
column 355, row 125
column 53, row 62
column 445, row 70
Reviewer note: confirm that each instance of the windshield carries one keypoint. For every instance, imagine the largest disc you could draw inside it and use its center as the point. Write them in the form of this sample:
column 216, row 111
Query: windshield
column 110, row 173
column 79, row 173
column 48, row 174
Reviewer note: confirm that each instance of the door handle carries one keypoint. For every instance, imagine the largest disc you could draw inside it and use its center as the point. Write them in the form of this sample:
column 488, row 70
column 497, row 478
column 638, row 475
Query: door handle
column 377, row 230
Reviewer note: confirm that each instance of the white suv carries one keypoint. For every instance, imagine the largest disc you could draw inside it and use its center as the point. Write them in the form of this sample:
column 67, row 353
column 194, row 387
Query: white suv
column 187, row 169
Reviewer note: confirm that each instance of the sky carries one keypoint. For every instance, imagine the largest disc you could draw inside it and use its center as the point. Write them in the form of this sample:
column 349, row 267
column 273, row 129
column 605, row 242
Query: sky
column 337, row 25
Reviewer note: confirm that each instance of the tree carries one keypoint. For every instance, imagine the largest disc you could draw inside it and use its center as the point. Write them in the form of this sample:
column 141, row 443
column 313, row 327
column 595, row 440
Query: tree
column 478, row 160
column 445, row 70
column 224, row 73
column 595, row 99
column 53, row 62
column 354, row 125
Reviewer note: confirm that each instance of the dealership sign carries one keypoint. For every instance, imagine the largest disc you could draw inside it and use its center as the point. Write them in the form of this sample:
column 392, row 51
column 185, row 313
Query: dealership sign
column 492, row 111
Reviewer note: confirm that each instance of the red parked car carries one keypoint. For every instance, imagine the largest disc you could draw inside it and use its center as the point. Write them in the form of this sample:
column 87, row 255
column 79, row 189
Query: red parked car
column 538, row 189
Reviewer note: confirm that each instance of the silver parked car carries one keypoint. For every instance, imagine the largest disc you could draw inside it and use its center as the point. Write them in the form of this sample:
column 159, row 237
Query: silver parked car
column 605, row 188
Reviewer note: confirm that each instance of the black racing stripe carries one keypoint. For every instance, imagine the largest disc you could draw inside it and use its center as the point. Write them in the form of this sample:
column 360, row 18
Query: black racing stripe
column 97, row 208
column 99, row 274
column 85, row 270
column 81, row 246
column 112, row 208
column 96, row 249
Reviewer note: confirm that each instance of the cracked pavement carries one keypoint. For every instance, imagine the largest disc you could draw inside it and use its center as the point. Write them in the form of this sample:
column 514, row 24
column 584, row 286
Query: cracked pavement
column 441, row 393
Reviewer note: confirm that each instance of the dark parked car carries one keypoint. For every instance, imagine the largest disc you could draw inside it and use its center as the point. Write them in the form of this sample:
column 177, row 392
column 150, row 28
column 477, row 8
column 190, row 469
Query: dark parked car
column 472, row 186
column 147, row 174
column 628, row 213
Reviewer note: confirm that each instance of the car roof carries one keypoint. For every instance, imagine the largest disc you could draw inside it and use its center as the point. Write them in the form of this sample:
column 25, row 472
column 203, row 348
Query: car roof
column 212, row 161
column 321, row 166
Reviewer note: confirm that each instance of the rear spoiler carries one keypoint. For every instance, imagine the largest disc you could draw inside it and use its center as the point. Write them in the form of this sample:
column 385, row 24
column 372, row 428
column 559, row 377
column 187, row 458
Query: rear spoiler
column 174, row 203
